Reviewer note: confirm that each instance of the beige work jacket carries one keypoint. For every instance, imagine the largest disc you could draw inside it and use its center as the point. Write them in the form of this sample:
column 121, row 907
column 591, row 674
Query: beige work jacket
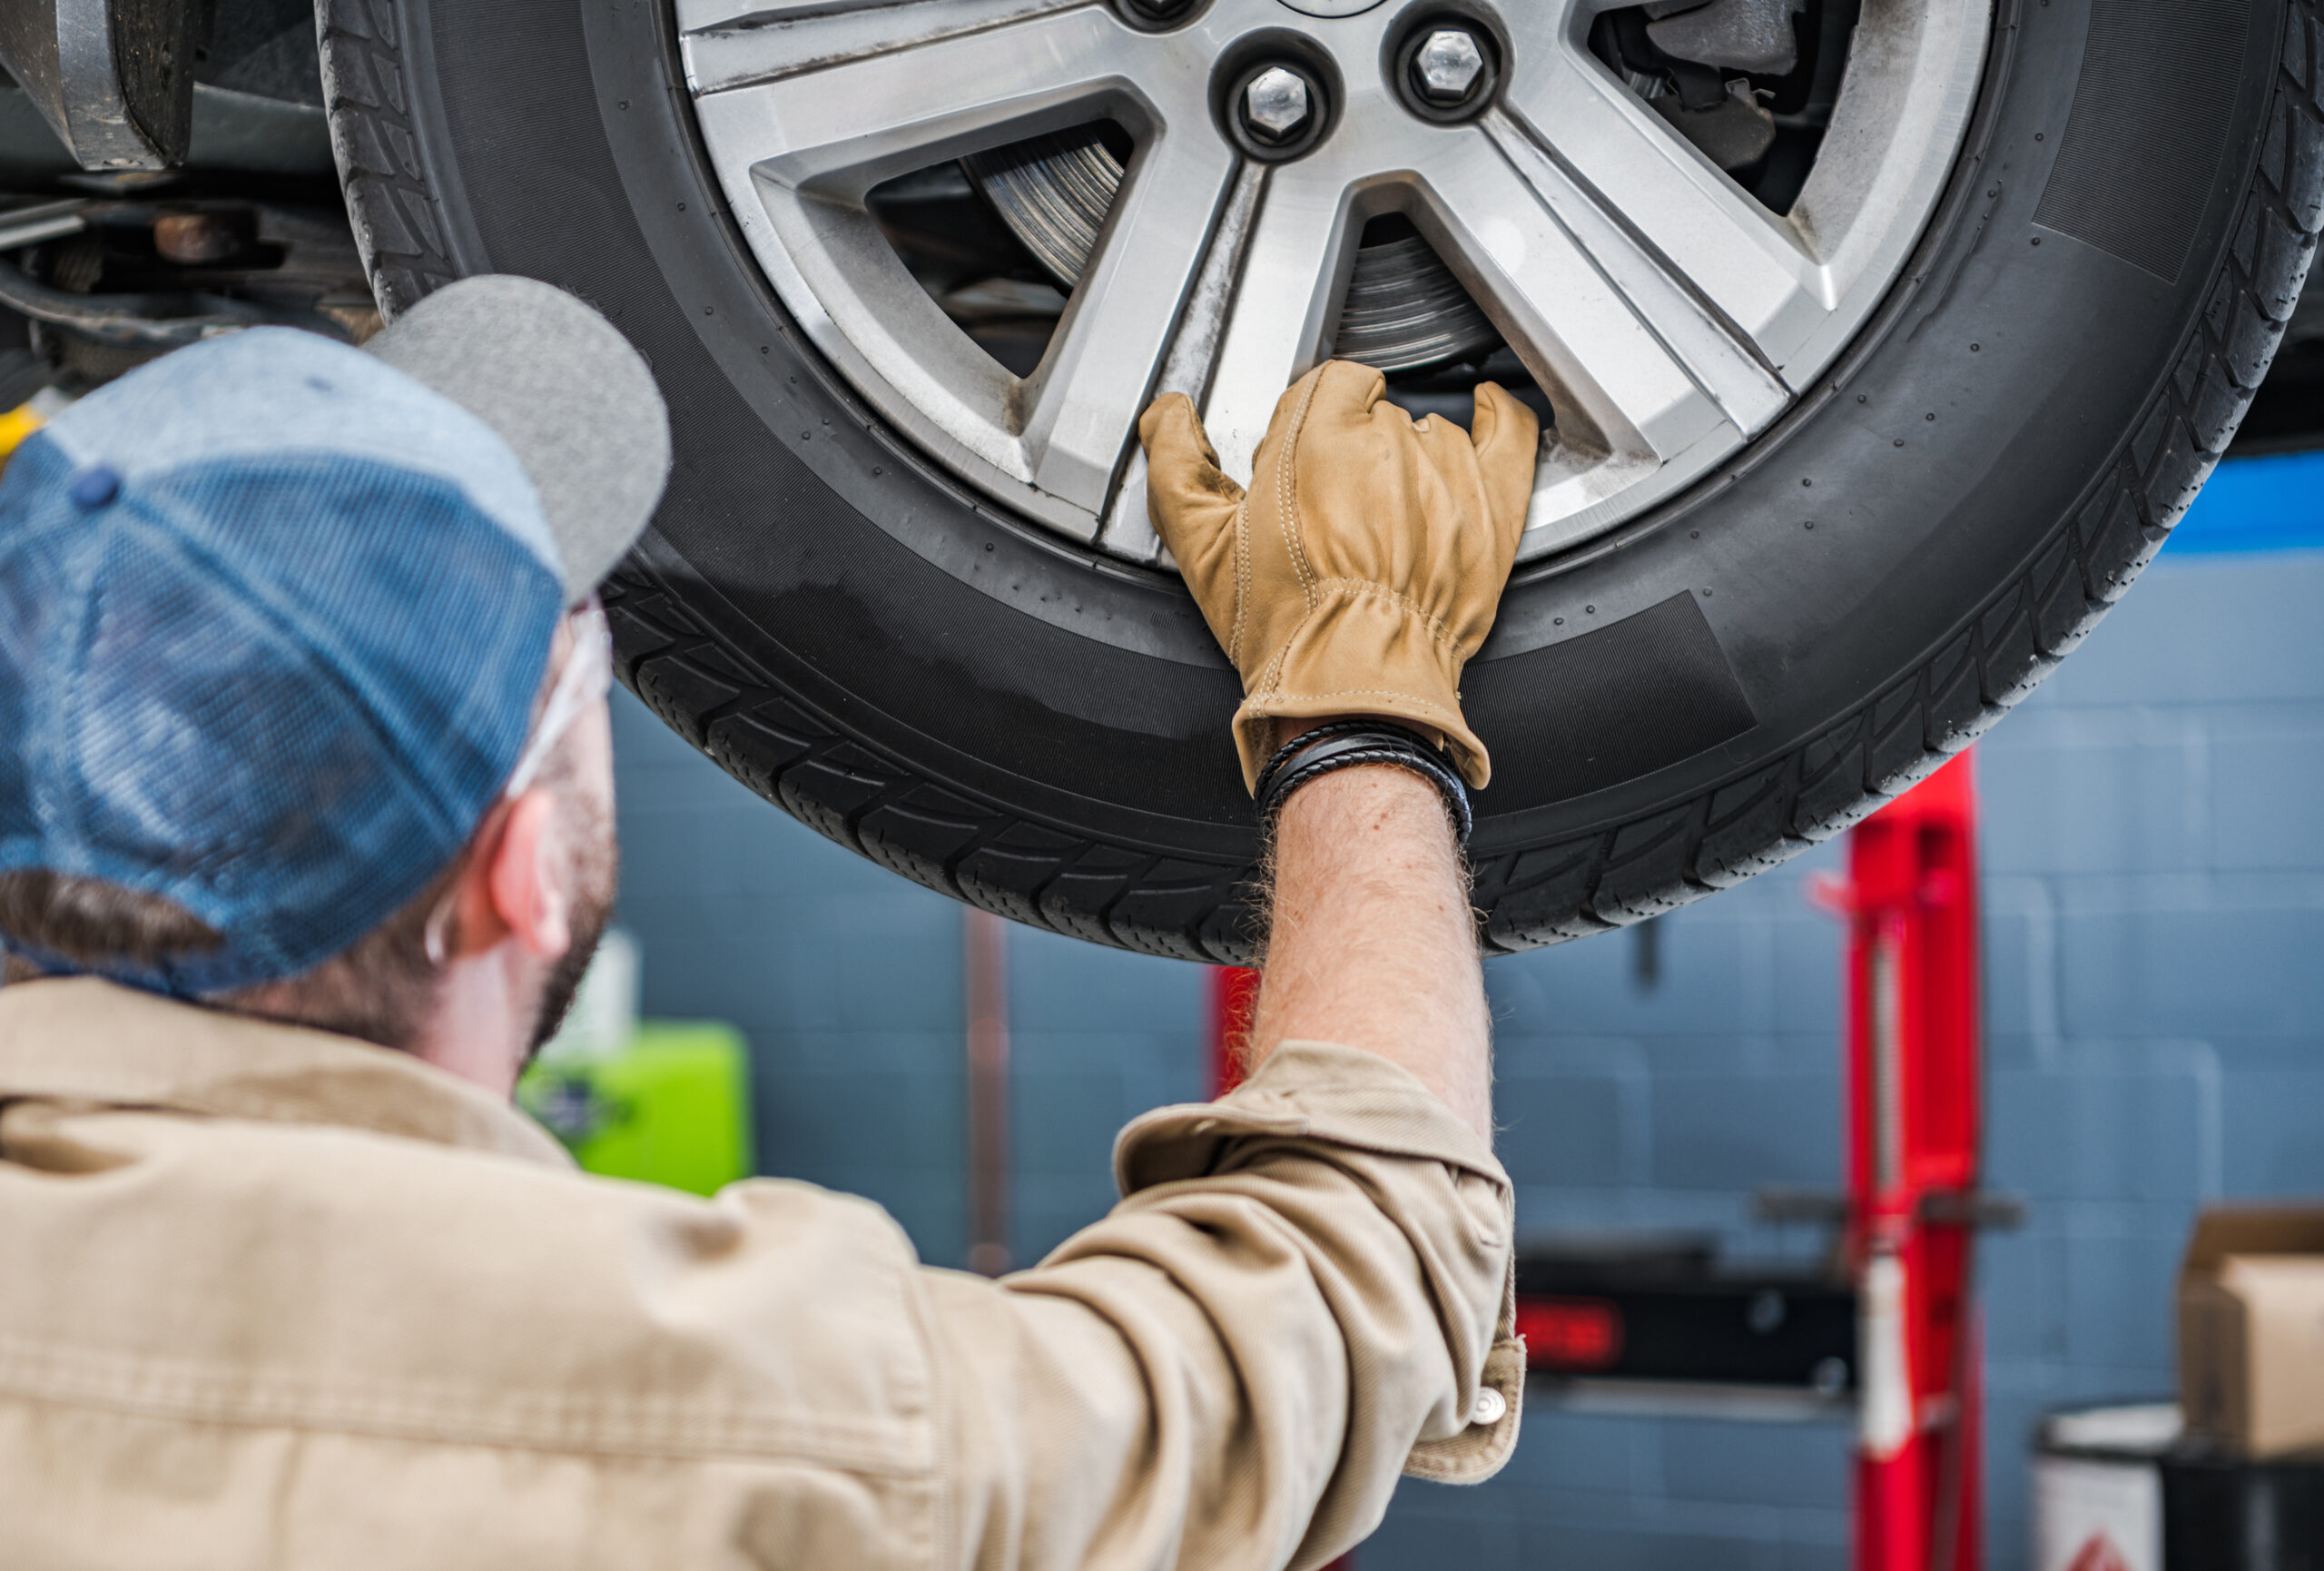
column 270, row 1298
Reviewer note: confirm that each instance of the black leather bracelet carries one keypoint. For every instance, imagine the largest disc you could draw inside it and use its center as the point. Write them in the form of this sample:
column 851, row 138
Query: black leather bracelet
column 1347, row 743
column 1308, row 738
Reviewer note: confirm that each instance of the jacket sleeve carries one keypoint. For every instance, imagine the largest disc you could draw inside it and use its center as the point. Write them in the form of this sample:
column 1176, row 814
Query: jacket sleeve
column 1303, row 1293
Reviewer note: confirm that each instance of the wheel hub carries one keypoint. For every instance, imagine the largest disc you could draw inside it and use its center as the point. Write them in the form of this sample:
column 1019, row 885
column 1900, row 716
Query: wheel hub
column 1566, row 225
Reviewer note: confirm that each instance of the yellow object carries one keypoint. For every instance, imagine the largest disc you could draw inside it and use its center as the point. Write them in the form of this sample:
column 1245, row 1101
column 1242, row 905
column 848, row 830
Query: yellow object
column 14, row 426
column 1363, row 567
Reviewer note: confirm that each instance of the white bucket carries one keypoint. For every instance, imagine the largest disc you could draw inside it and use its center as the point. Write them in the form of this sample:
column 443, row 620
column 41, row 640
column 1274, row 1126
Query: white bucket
column 2098, row 1489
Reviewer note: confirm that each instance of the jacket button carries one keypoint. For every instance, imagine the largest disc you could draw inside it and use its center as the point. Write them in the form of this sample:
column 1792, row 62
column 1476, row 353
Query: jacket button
column 1489, row 1406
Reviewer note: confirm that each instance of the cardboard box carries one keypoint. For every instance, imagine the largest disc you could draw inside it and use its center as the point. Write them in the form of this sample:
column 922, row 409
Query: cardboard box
column 2251, row 1329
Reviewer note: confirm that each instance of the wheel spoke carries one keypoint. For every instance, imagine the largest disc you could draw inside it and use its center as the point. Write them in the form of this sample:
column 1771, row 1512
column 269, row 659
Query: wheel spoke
column 834, row 131
column 1574, row 279
column 1085, row 401
column 1683, row 216
column 1278, row 321
column 737, row 42
column 734, row 16
column 1617, row 388
column 703, row 16
column 1194, row 350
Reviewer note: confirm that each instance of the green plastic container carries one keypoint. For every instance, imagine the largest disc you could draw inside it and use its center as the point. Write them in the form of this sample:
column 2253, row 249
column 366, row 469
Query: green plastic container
column 672, row 1107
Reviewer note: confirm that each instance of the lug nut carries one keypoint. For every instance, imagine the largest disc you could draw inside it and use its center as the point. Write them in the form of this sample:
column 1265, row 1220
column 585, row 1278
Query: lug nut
column 1277, row 105
column 1447, row 65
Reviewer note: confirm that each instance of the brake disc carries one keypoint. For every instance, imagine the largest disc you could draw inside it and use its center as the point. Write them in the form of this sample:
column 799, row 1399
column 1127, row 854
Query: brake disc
column 1403, row 309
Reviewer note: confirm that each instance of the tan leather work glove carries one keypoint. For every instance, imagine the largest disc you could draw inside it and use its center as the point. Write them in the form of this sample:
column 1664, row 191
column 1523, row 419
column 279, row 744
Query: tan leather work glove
column 1363, row 567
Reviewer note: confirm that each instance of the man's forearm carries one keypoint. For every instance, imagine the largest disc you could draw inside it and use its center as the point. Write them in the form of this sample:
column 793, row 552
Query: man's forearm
column 1372, row 943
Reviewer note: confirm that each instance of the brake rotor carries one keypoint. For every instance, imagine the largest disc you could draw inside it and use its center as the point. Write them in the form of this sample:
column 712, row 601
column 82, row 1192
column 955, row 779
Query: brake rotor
column 1404, row 309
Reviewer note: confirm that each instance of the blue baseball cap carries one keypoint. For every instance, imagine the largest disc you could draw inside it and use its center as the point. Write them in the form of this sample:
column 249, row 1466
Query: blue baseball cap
column 274, row 610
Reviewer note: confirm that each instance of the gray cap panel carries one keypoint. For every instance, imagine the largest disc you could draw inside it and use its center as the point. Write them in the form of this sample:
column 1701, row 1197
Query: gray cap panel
column 564, row 390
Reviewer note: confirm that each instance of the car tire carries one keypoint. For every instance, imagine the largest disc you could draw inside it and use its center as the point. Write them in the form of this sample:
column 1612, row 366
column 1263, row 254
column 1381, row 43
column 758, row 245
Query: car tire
column 1019, row 721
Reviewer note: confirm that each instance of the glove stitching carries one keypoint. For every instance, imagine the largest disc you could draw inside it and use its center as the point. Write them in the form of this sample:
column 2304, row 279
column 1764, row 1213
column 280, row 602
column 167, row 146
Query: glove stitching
column 1271, row 675
column 1427, row 619
column 1242, row 578
column 1429, row 704
column 1287, row 500
column 1270, row 681
column 1287, row 522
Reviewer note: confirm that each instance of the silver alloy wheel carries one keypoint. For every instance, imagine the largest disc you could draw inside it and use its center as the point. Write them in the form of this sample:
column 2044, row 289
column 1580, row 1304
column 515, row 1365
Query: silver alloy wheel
column 1667, row 315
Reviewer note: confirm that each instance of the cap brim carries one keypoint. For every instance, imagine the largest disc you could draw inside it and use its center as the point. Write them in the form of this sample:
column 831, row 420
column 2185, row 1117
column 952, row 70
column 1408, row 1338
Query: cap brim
column 567, row 393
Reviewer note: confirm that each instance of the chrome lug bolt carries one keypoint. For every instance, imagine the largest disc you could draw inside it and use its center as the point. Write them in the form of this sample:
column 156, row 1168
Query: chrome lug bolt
column 1276, row 105
column 1447, row 65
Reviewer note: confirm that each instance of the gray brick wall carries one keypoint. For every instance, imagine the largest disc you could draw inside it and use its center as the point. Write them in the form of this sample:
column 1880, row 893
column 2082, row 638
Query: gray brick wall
column 2154, row 886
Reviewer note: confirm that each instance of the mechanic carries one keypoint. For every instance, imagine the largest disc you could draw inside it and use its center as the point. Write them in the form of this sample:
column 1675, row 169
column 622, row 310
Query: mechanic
column 305, row 836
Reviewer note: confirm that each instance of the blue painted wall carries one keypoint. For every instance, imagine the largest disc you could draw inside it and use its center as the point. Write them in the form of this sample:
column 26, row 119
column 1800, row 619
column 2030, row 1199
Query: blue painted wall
column 2154, row 862
column 846, row 978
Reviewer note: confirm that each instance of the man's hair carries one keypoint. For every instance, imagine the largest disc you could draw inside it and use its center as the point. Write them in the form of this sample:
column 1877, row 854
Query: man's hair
column 83, row 920
column 380, row 988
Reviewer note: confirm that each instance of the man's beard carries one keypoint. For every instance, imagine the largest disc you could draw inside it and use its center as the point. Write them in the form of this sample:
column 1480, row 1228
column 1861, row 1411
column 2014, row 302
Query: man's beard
column 565, row 977
column 599, row 873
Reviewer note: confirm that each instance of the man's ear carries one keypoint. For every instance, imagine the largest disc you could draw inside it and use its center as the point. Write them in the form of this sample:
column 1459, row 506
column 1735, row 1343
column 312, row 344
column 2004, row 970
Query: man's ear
column 523, row 877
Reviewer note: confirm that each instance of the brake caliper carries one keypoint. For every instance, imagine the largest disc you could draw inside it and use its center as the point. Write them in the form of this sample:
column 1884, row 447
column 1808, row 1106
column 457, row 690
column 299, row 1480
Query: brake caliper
column 1695, row 62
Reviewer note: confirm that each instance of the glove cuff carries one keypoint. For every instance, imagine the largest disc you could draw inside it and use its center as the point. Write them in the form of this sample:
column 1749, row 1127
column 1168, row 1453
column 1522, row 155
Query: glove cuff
column 1362, row 650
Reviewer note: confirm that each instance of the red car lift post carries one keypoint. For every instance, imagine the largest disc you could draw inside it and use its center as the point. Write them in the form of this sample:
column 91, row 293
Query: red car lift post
column 1914, row 1087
